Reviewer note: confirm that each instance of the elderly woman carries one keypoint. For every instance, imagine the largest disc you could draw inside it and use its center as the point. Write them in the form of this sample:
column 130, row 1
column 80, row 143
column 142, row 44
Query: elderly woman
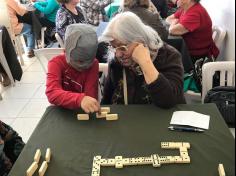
column 194, row 23
column 145, row 69
column 72, row 78
column 141, row 8
column 69, row 13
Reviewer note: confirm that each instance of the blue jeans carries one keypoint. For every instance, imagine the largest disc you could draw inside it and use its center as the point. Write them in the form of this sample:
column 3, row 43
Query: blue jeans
column 28, row 33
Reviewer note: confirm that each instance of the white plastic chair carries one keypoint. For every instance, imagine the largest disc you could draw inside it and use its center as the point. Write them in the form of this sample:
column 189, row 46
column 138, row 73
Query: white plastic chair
column 59, row 40
column 218, row 36
column 227, row 75
column 46, row 54
column 5, row 20
column 43, row 29
column 4, row 64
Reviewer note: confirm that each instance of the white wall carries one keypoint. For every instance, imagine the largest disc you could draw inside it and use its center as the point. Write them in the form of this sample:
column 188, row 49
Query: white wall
column 223, row 14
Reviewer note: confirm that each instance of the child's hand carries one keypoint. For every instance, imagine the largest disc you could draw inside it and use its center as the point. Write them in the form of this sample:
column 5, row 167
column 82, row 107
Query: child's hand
column 90, row 105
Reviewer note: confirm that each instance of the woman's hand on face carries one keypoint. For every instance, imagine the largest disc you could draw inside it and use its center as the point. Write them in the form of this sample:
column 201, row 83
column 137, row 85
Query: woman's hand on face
column 141, row 54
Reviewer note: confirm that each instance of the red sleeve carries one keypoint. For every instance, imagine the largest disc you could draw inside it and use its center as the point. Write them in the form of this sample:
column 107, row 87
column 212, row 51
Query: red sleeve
column 178, row 13
column 54, row 91
column 191, row 21
column 91, row 85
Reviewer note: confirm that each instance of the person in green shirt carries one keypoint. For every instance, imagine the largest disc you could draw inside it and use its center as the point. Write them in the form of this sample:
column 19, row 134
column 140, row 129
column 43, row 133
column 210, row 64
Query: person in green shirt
column 49, row 8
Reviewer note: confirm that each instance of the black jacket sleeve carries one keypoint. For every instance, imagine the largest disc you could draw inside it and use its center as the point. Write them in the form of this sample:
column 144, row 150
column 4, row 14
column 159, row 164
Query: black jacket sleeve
column 167, row 90
column 10, row 54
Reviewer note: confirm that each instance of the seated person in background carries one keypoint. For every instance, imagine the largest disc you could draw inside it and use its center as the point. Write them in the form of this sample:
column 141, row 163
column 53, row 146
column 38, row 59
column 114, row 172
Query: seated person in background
column 49, row 8
column 140, row 8
column 14, row 9
column 172, row 7
column 68, row 13
column 162, row 7
column 153, row 70
column 194, row 23
column 11, row 145
column 72, row 78
column 95, row 11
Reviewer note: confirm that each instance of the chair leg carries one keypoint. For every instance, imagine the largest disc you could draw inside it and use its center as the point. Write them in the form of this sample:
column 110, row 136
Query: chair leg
column 42, row 36
column 7, row 70
column 0, row 82
column 19, row 51
column 0, row 96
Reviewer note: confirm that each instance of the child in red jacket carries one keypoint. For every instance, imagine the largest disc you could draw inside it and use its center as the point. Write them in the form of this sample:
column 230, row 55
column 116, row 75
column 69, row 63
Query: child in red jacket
column 72, row 78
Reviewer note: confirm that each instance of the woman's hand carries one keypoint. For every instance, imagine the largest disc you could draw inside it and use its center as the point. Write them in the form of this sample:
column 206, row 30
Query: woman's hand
column 90, row 105
column 141, row 54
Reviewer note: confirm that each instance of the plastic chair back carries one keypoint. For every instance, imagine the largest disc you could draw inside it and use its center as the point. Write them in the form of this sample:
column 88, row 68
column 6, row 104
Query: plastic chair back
column 227, row 75
column 46, row 54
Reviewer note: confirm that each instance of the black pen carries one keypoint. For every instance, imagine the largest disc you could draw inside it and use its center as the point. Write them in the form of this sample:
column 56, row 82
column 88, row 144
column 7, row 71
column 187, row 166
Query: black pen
column 187, row 129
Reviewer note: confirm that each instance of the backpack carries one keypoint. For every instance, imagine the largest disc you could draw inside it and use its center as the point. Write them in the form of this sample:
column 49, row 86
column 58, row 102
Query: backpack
column 197, row 71
column 224, row 98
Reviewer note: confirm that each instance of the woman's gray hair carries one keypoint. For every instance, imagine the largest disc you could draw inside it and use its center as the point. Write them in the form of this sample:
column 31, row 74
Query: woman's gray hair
column 127, row 28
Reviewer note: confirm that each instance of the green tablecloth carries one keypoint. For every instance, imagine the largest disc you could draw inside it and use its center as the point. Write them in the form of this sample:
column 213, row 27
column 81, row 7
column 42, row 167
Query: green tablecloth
column 138, row 132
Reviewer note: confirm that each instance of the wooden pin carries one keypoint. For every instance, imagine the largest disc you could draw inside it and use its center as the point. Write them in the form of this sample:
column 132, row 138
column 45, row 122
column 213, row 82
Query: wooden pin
column 48, row 155
column 83, row 117
column 30, row 171
column 43, row 168
column 106, row 109
column 221, row 170
column 112, row 117
column 37, row 156
column 101, row 115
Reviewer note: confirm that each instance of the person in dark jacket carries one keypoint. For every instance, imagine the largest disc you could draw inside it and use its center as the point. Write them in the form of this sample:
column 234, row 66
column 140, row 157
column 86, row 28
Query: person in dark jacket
column 141, row 8
column 162, row 7
column 11, row 145
column 145, row 70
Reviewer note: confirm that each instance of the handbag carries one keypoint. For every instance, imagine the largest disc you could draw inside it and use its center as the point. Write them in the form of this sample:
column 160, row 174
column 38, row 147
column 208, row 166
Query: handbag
column 224, row 98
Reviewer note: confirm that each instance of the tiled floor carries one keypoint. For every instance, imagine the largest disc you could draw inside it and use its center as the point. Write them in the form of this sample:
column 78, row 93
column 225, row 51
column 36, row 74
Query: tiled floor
column 24, row 104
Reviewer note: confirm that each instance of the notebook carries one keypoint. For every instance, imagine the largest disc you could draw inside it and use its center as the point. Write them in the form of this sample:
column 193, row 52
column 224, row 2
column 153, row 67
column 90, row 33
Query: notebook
column 191, row 118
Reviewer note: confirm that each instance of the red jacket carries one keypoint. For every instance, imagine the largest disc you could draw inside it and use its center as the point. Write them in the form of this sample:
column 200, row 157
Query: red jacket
column 66, row 86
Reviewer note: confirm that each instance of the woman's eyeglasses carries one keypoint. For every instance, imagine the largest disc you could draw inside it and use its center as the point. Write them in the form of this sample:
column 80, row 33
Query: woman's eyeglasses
column 122, row 48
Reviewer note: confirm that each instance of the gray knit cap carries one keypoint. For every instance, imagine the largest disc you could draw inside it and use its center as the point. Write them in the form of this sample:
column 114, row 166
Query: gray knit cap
column 81, row 45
